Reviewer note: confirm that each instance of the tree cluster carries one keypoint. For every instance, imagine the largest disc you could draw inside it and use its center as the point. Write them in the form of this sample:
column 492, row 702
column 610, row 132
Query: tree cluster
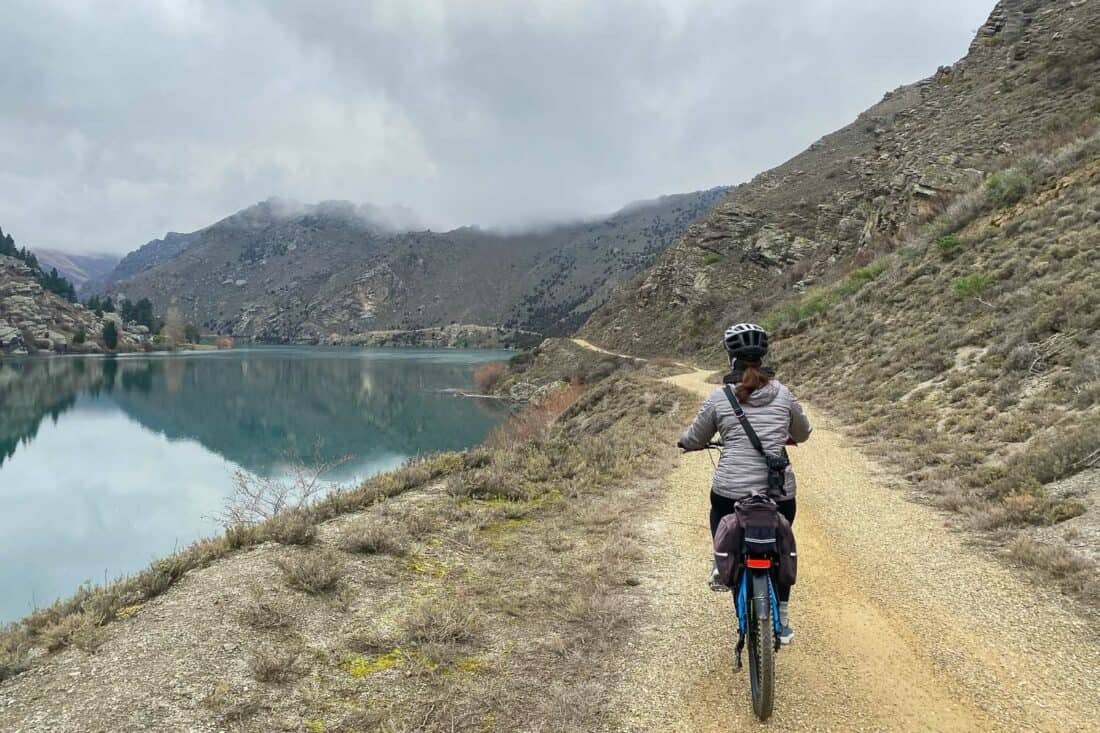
column 50, row 281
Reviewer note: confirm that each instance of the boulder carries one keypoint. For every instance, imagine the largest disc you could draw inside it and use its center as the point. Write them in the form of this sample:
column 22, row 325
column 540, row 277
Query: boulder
column 9, row 335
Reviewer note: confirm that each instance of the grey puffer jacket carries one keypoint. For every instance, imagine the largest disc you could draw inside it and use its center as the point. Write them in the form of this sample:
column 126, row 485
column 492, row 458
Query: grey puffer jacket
column 774, row 413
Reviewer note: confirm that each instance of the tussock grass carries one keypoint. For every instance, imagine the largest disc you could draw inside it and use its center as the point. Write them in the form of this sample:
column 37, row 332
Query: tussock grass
column 443, row 621
column 374, row 538
column 265, row 614
column 312, row 572
column 273, row 664
column 291, row 528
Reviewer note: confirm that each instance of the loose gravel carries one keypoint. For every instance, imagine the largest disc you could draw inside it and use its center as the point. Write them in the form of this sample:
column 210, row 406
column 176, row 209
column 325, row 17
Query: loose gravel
column 901, row 624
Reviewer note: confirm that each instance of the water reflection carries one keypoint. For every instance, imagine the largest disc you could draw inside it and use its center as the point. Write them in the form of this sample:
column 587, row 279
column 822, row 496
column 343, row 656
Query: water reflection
column 106, row 463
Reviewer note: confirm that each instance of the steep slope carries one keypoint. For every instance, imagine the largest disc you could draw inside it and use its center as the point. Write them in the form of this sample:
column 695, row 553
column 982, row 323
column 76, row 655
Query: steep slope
column 79, row 269
column 1033, row 70
column 143, row 258
column 329, row 274
column 972, row 358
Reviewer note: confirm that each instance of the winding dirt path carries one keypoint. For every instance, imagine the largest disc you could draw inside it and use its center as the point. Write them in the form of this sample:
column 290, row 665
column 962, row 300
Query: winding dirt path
column 900, row 626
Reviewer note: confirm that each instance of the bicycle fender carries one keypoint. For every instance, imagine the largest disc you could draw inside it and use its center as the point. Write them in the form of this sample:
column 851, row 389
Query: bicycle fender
column 761, row 594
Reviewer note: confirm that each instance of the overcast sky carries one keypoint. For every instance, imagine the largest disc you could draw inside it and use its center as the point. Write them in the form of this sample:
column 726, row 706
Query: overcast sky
column 120, row 123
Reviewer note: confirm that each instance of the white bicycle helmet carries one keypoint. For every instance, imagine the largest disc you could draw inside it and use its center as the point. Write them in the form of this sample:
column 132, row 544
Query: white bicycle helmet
column 746, row 341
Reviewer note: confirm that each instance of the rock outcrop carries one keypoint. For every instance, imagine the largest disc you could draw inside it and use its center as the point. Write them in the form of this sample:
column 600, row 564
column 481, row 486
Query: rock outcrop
column 33, row 320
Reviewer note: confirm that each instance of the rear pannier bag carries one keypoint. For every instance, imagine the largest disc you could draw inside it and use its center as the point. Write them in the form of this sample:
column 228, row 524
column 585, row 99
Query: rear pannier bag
column 755, row 527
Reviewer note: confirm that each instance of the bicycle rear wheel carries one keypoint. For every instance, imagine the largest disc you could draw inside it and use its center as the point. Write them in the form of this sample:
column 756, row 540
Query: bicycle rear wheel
column 761, row 649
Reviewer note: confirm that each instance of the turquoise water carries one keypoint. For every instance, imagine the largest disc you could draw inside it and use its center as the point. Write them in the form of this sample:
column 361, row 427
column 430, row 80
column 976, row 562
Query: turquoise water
column 108, row 463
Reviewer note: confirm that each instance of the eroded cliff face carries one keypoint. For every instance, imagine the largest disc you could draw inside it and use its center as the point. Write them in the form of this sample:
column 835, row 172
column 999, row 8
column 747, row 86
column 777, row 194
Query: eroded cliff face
column 1032, row 72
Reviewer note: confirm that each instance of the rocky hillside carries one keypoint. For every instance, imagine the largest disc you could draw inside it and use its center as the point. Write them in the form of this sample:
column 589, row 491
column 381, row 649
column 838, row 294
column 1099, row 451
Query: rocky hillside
column 146, row 256
column 1033, row 71
column 33, row 320
column 328, row 273
column 81, row 270
column 971, row 358
column 930, row 273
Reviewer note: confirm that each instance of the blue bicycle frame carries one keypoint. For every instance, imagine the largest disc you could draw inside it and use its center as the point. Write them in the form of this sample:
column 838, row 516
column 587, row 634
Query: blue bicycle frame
column 741, row 600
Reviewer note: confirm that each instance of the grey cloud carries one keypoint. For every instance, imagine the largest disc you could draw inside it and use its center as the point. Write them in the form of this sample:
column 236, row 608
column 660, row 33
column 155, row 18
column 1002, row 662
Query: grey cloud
column 121, row 121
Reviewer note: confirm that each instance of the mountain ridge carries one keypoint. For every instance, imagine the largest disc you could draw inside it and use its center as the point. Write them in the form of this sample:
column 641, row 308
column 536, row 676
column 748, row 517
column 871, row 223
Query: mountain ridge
column 334, row 273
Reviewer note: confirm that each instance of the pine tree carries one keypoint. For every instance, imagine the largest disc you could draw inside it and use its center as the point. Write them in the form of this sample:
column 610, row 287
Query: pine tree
column 110, row 335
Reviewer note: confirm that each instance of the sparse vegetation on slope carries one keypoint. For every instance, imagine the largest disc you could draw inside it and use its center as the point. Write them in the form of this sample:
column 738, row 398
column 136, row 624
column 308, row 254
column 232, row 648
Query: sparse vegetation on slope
column 972, row 360
column 497, row 584
column 858, row 190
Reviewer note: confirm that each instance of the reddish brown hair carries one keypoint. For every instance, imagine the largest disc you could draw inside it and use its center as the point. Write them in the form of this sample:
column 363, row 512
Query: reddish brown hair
column 752, row 379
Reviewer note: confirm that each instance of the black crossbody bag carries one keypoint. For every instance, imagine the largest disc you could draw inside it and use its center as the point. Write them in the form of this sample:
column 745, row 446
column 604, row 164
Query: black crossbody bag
column 777, row 464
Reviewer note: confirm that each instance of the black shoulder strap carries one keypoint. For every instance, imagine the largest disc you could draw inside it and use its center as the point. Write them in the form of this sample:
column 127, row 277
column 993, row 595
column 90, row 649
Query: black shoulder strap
column 743, row 419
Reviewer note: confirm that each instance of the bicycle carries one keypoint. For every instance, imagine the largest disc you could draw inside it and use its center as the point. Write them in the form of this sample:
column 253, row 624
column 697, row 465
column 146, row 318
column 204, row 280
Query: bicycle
column 757, row 610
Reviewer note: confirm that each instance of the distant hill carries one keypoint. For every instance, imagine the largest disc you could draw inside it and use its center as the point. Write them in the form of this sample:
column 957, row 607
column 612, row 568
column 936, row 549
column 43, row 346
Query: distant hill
column 334, row 272
column 79, row 269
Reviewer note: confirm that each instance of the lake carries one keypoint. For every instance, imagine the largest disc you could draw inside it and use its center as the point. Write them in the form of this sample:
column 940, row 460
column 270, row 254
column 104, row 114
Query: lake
column 109, row 463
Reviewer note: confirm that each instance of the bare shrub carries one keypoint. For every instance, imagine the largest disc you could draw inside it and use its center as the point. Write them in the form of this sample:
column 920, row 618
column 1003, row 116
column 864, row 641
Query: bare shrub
column 374, row 538
column 488, row 376
column 534, row 418
column 89, row 636
column 312, row 572
column 259, row 498
column 272, row 664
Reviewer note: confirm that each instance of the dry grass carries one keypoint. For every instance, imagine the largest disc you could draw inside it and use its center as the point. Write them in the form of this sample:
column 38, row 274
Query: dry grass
column 443, row 621
column 312, row 572
column 1070, row 571
column 373, row 538
column 498, row 615
column 264, row 613
column 273, row 664
column 51, row 627
column 291, row 528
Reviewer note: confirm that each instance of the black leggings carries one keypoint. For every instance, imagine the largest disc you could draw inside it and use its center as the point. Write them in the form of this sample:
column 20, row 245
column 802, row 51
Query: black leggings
column 720, row 506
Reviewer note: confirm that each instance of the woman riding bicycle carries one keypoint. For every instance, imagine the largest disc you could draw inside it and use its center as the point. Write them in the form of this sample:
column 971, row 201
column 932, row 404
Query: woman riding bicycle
column 774, row 413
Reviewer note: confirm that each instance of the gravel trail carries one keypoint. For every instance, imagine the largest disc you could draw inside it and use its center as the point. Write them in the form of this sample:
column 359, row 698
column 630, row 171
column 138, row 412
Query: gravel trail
column 900, row 624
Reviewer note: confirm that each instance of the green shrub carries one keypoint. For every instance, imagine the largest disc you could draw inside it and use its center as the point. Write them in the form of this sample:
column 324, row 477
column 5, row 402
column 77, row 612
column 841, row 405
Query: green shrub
column 858, row 278
column 110, row 335
column 948, row 244
column 79, row 336
column 1004, row 188
column 711, row 259
column 972, row 285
